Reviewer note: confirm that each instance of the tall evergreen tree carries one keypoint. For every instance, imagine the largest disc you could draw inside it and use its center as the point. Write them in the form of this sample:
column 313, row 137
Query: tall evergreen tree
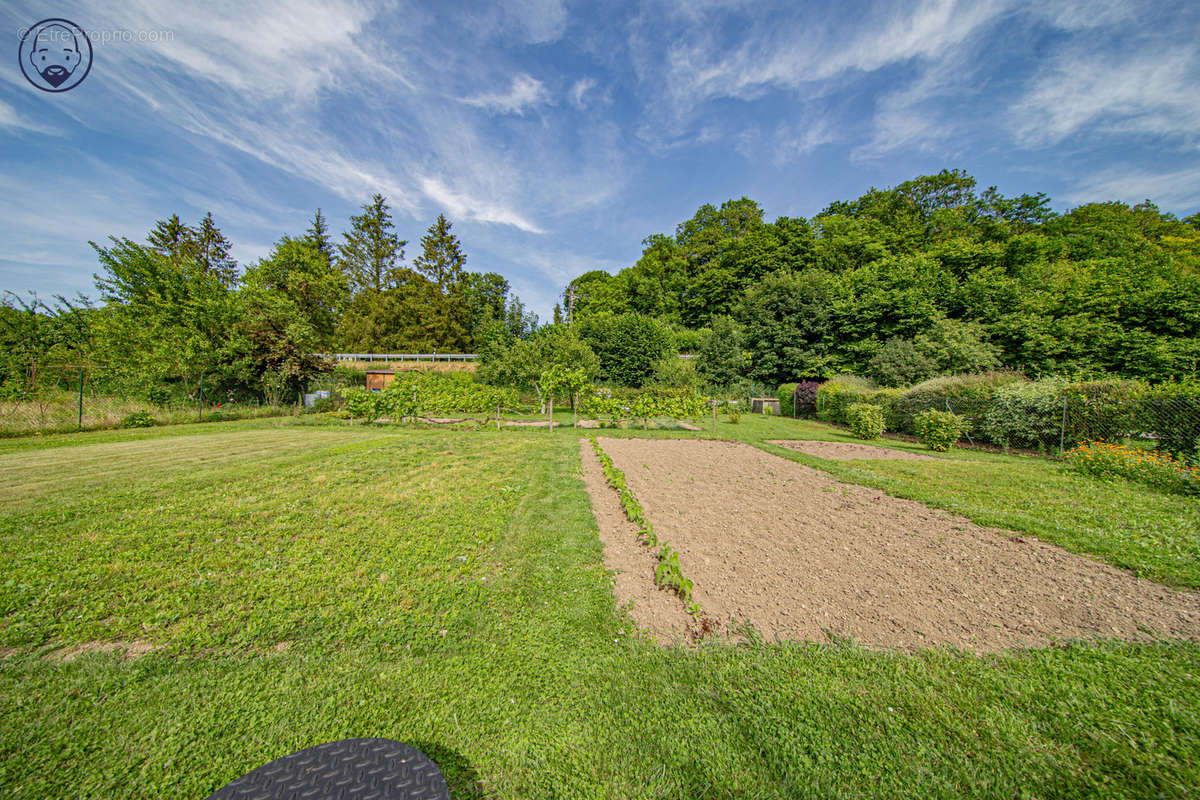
column 170, row 238
column 211, row 251
column 442, row 259
column 371, row 253
column 318, row 235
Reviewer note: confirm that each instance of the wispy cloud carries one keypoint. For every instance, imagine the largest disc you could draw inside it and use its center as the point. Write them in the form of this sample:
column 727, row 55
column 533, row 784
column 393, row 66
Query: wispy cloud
column 12, row 121
column 524, row 93
column 1169, row 188
column 579, row 89
column 1152, row 91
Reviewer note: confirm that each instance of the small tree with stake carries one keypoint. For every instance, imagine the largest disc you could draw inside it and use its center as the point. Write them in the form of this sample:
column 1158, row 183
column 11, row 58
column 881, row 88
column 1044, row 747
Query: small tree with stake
column 559, row 379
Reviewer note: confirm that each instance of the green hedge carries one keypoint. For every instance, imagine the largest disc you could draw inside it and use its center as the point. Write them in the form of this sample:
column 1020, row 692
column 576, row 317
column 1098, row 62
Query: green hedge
column 968, row 396
column 786, row 394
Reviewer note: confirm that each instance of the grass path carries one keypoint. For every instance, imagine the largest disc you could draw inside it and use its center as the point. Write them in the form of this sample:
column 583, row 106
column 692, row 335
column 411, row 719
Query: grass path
column 447, row 589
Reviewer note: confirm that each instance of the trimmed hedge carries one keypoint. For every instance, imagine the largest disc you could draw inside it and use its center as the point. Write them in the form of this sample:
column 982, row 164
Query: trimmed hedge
column 967, row 395
column 786, row 394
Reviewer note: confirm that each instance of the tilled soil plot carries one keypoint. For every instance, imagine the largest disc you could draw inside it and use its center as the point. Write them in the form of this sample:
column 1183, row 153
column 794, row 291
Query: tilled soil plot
column 801, row 556
column 654, row 610
column 845, row 451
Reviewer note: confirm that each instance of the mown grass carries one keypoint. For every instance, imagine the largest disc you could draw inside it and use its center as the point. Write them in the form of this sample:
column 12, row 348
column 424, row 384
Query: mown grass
column 254, row 556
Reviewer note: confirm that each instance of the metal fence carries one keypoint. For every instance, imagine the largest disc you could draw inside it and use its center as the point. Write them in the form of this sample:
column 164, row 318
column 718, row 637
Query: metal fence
column 1053, row 425
column 370, row 357
column 66, row 398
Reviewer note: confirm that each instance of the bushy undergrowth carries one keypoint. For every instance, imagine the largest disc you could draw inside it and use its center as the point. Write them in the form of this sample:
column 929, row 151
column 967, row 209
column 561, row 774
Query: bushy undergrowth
column 650, row 403
column 939, row 430
column 866, row 420
column 966, row 395
column 413, row 393
column 1153, row 468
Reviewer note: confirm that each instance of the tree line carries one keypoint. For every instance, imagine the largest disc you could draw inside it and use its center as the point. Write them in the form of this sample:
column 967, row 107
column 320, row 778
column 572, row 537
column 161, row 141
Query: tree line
column 177, row 307
column 928, row 277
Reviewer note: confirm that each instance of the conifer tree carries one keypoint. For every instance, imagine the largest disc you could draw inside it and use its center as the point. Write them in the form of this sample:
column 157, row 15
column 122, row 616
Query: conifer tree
column 442, row 259
column 371, row 251
column 211, row 249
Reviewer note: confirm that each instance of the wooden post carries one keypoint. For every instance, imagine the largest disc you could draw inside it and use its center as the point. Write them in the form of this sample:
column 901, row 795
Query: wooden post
column 714, row 405
column 497, row 416
column 551, row 407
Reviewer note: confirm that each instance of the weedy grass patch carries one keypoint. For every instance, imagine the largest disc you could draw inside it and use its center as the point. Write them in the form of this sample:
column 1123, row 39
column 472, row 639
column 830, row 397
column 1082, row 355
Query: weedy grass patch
column 301, row 584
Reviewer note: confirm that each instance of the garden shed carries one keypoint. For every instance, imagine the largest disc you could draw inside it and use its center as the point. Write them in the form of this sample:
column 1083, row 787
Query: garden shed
column 380, row 379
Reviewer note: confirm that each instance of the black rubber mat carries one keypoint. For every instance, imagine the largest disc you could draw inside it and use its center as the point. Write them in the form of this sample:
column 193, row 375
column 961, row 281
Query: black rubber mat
column 352, row 769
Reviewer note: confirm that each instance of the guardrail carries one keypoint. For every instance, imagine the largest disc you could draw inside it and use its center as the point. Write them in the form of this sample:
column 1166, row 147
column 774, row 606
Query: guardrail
column 399, row 356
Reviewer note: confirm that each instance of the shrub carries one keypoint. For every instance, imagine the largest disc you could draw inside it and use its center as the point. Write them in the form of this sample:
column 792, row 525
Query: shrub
column 806, row 397
column 888, row 401
column 1150, row 467
column 866, row 420
column 1027, row 415
column 735, row 416
column 839, row 393
column 158, row 395
column 939, row 430
column 139, row 419
column 721, row 361
column 967, row 395
column 786, row 394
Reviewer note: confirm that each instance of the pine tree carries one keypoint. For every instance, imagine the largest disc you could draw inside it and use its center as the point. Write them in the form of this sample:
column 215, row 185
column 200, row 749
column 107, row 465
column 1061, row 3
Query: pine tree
column 211, row 250
column 442, row 259
column 318, row 235
column 170, row 237
column 371, row 252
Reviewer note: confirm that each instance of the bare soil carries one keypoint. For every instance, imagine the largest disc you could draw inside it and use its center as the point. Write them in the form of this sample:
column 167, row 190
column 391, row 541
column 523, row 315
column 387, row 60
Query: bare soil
column 801, row 556
column 138, row 647
column 845, row 451
column 653, row 609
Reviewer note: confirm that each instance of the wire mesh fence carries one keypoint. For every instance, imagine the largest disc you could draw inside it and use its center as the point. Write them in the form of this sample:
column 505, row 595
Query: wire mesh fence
column 62, row 398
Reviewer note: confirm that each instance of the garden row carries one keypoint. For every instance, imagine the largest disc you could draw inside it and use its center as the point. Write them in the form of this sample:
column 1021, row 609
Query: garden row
column 667, row 574
column 414, row 393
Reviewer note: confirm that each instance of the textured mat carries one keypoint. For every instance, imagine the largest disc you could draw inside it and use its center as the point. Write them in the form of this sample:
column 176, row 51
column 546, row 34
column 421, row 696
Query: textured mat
column 352, row 769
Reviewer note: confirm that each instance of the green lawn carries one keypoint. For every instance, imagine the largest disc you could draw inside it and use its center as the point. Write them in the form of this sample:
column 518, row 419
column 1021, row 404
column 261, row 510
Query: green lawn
column 308, row 582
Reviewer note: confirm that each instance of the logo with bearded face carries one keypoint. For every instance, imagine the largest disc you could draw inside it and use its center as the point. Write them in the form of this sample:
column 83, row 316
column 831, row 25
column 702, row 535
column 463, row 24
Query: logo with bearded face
column 55, row 55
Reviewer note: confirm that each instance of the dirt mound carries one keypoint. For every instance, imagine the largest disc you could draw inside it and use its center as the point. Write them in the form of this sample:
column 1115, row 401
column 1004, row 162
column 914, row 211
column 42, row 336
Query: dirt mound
column 801, row 556
column 845, row 451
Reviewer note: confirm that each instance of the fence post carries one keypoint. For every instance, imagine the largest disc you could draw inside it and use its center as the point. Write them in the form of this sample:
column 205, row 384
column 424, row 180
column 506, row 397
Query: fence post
column 551, row 407
column 81, row 374
column 200, row 414
column 1062, row 431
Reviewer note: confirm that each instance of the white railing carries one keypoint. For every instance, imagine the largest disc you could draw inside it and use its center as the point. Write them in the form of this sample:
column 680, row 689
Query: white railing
column 399, row 356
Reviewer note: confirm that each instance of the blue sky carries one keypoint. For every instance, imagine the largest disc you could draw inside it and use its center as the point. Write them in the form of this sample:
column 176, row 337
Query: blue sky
column 556, row 135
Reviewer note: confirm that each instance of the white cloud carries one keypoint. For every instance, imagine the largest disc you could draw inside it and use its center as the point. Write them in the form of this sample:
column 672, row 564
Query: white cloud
column 1170, row 188
column 580, row 88
column 525, row 92
column 11, row 120
column 472, row 207
column 1154, row 91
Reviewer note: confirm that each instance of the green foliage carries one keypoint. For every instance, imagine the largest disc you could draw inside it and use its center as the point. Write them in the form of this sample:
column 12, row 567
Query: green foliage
column 673, row 372
column 1026, row 415
column 413, row 393
column 786, row 395
column 865, row 420
column 645, row 404
column 788, row 326
column 521, row 363
column 628, row 346
column 898, row 362
column 939, row 430
column 840, row 392
column 1153, row 468
column 955, row 346
column 558, row 380
column 721, row 361
column 371, row 252
column 967, row 395
column 139, row 419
